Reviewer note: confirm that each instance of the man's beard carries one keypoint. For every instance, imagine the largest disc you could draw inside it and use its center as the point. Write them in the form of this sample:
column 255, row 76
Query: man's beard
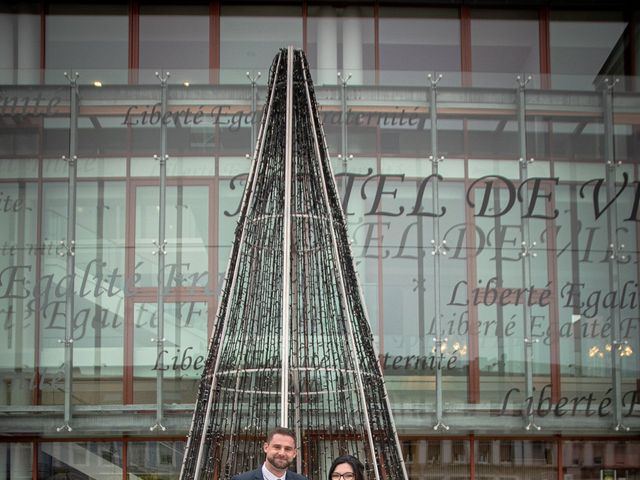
column 279, row 463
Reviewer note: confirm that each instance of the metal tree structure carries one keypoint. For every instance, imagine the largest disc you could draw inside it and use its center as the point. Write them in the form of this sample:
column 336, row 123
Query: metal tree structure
column 292, row 345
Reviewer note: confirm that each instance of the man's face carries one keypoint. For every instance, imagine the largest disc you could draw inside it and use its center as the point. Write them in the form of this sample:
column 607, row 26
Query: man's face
column 281, row 451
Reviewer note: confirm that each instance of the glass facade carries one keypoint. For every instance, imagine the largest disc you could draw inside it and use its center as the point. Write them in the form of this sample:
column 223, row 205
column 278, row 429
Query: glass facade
column 532, row 239
column 174, row 38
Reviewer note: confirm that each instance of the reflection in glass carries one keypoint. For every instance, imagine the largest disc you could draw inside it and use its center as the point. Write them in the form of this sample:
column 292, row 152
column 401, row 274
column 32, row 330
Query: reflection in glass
column 175, row 38
column 80, row 460
column 19, row 44
column 502, row 294
column 158, row 460
column 251, row 36
column 91, row 39
column 18, row 254
column 583, row 279
column 99, row 306
column 184, row 352
column 52, row 294
column 417, row 41
column 187, row 212
column 16, row 460
column 585, row 459
column 585, row 45
column 410, row 359
column 503, row 44
column 579, row 139
column 340, row 39
column 435, row 458
column 98, row 325
column 101, row 136
column 524, row 459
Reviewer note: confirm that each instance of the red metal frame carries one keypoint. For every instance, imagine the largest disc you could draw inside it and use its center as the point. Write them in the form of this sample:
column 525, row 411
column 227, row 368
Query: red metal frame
column 43, row 43
column 465, row 46
column 134, row 41
column 545, row 52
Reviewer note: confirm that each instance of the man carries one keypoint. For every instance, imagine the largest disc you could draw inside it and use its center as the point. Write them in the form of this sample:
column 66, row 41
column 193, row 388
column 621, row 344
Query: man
column 280, row 451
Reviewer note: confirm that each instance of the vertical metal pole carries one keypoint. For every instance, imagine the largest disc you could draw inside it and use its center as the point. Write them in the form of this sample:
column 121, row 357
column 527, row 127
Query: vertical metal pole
column 161, row 252
column 616, row 256
column 69, row 250
column 343, row 132
column 286, row 245
column 439, row 246
column 526, row 253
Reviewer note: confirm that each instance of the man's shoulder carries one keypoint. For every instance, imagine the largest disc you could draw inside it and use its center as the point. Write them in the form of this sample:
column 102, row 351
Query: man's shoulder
column 257, row 473
column 295, row 476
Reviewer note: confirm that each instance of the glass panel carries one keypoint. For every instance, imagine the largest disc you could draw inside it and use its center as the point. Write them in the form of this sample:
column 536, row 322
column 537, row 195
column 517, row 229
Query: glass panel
column 23, row 141
column 503, row 44
column 18, row 253
column 100, row 136
column 158, row 460
column 436, row 459
column 451, row 138
column 183, row 355
column 81, row 460
column 52, row 296
column 176, row 167
column 585, row 364
column 231, row 166
column 99, row 306
column 55, row 134
column 494, row 137
column 584, row 45
column 230, row 196
column 102, row 167
column 416, row 41
column 18, row 168
column 408, row 135
column 98, row 321
column 187, row 236
column 503, row 296
column 235, row 135
column 357, row 187
column 347, row 39
column 16, row 461
column 577, row 140
column 190, row 132
column 524, row 459
column 91, row 39
column 410, row 359
column 19, row 44
column 175, row 38
column 251, row 36
column 587, row 459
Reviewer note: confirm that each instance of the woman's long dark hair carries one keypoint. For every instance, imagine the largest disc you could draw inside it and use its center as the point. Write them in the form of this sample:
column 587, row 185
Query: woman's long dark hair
column 356, row 465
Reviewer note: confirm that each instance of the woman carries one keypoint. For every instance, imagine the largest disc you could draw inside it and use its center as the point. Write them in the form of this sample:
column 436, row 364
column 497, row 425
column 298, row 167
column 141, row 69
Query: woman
column 346, row 467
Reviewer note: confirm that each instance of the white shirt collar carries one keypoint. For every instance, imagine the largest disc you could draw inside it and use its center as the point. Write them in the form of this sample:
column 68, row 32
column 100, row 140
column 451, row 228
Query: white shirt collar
column 267, row 475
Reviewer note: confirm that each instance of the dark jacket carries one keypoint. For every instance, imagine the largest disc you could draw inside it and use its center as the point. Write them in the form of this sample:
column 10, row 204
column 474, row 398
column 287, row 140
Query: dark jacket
column 257, row 475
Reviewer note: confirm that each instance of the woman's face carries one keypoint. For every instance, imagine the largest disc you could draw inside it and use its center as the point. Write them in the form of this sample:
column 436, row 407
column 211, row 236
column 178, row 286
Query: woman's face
column 343, row 471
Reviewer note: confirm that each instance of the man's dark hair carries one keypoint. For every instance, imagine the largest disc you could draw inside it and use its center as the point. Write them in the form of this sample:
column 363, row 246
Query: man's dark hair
column 281, row 431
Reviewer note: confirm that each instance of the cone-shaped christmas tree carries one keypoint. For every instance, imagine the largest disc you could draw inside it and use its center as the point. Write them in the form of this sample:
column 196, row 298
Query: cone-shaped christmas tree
column 292, row 345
